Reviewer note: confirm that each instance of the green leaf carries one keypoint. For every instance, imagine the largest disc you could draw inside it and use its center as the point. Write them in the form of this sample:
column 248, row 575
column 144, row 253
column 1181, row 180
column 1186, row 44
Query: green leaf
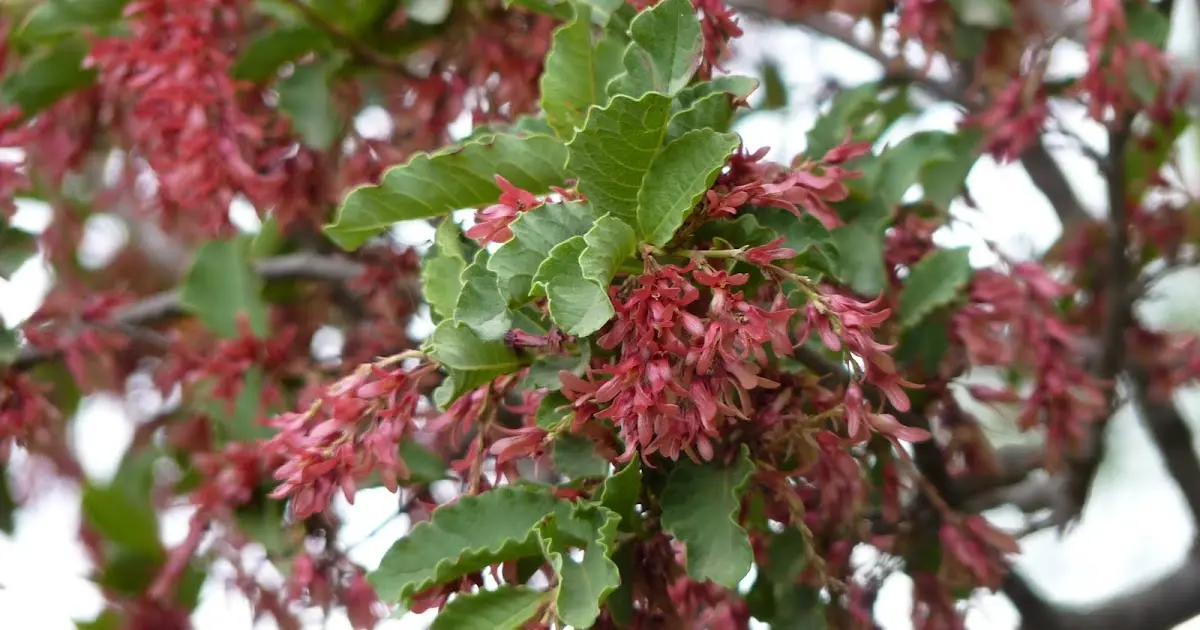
column 738, row 86
column 576, row 457
column 535, row 233
column 775, row 95
column 579, row 306
column 306, row 97
column 601, row 10
column 1144, row 160
column 699, row 505
column 463, row 537
column 578, row 67
column 903, row 164
column 677, row 178
column 16, row 247
column 935, row 281
column 458, row 347
column 221, row 287
column 48, row 75
column 609, row 243
column 108, row 620
column 713, row 112
column 460, row 382
column 274, row 47
column 480, row 304
column 553, row 411
column 243, row 425
column 424, row 466
column 582, row 585
column 503, row 608
column 122, row 518
column 1147, row 23
column 849, row 109
column 988, row 14
column 448, row 239
column 453, row 179
column 53, row 18
column 441, row 284
column 860, row 257
column 10, row 346
column 665, row 51
column 544, row 371
column 613, row 152
column 8, row 506
column 943, row 180
column 620, row 492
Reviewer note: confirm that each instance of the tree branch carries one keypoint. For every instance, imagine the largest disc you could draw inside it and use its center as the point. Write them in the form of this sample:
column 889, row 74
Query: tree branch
column 1174, row 440
column 167, row 304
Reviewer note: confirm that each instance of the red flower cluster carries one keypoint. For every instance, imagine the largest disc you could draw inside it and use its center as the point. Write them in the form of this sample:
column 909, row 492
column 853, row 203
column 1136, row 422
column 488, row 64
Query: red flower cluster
column 845, row 323
column 1013, row 119
column 182, row 113
column 353, row 430
column 680, row 375
column 1011, row 319
column 809, row 185
column 491, row 223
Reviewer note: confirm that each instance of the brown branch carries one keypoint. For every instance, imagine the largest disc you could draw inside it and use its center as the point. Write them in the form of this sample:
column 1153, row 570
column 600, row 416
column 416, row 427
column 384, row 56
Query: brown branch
column 1161, row 604
column 167, row 304
column 1174, row 440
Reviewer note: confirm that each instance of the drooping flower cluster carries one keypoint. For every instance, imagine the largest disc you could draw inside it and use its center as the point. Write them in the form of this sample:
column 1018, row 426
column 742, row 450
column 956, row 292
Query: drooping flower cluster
column 809, row 185
column 353, row 430
column 1012, row 320
column 686, row 365
column 182, row 113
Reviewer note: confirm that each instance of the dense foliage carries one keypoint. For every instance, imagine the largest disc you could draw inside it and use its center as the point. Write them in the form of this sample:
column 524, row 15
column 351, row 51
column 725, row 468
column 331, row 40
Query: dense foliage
column 659, row 360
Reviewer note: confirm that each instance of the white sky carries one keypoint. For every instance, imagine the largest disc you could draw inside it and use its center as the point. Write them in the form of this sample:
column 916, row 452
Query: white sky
column 1135, row 527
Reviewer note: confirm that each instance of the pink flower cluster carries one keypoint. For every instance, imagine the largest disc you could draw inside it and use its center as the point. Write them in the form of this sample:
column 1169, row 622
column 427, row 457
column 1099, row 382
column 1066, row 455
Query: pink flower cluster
column 810, row 185
column 686, row 364
column 353, row 430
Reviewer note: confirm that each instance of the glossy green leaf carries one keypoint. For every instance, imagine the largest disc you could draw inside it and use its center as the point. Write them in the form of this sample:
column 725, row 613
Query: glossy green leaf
column 609, row 243
column 677, row 178
column 463, row 537
column 903, row 163
column 453, row 179
column 934, row 281
column 458, row 347
column 621, row 490
column 775, row 93
column 576, row 457
column 107, row 620
column 1148, row 23
column 16, row 247
column 943, row 180
column 221, row 287
column 48, row 75
column 580, row 64
column 10, row 346
column 274, row 47
column 306, row 98
column 441, row 272
column 579, row 306
column 860, row 257
column 543, row 373
column 665, row 51
column 53, row 18
column 847, row 112
column 502, row 608
column 601, row 10
column 613, row 152
column 123, row 518
column 480, row 304
column 553, row 411
column 460, row 382
column 582, row 585
column 8, row 506
column 699, row 505
column 244, row 425
column 735, row 85
column 713, row 112
column 535, row 233
column 424, row 466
